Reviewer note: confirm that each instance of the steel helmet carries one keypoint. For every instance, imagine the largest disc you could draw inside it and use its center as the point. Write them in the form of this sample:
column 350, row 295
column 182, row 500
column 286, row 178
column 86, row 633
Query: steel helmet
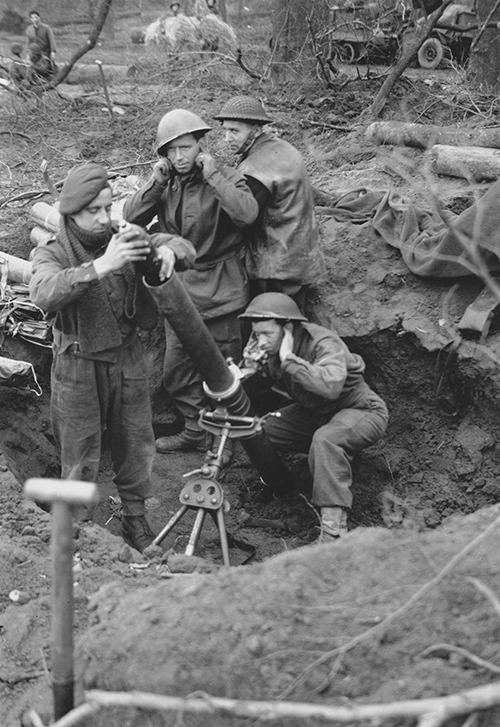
column 177, row 123
column 273, row 305
column 243, row 108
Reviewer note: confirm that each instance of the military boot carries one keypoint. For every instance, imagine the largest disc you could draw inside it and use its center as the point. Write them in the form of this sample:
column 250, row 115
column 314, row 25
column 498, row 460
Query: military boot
column 136, row 532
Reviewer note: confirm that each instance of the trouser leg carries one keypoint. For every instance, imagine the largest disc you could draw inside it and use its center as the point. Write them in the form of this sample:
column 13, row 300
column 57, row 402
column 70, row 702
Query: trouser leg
column 333, row 447
column 129, row 423
column 331, row 444
column 76, row 416
column 292, row 430
column 181, row 380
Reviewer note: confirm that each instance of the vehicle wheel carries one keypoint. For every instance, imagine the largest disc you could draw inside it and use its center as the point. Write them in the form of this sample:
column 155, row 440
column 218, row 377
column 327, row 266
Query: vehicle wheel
column 431, row 53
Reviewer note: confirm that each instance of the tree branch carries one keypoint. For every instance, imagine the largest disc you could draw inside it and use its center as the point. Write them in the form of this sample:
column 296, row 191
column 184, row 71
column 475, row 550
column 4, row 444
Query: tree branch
column 375, row 109
column 434, row 710
column 102, row 14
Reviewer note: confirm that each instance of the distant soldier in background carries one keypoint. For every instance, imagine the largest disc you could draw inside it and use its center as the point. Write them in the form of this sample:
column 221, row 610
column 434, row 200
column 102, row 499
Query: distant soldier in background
column 40, row 68
column 175, row 9
column 43, row 36
column 18, row 68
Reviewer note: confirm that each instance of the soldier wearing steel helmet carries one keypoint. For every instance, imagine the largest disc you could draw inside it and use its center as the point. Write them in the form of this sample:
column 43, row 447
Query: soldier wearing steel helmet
column 332, row 413
column 208, row 204
column 283, row 252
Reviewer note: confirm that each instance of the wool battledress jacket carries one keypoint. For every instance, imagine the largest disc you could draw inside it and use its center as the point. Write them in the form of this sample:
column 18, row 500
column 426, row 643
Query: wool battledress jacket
column 284, row 242
column 321, row 374
column 211, row 214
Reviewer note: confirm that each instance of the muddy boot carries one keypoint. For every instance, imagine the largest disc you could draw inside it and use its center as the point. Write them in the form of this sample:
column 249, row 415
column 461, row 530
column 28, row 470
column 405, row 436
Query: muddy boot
column 136, row 532
column 333, row 524
column 194, row 440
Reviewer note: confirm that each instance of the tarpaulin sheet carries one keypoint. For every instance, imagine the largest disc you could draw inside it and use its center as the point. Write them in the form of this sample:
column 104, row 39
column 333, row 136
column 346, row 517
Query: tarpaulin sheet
column 433, row 243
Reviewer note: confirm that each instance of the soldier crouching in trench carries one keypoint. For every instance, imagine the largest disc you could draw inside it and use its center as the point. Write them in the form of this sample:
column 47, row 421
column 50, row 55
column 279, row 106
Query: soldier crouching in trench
column 332, row 415
column 86, row 282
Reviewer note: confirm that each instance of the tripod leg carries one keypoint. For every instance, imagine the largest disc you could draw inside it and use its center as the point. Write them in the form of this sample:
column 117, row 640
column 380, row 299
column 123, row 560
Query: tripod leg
column 223, row 537
column 171, row 523
column 195, row 532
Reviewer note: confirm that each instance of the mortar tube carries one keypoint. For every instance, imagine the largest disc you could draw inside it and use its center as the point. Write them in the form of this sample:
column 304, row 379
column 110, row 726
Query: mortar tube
column 220, row 383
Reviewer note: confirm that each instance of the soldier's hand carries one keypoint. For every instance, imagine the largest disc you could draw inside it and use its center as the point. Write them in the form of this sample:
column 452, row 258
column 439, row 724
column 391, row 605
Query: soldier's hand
column 206, row 162
column 286, row 347
column 167, row 261
column 128, row 246
column 162, row 170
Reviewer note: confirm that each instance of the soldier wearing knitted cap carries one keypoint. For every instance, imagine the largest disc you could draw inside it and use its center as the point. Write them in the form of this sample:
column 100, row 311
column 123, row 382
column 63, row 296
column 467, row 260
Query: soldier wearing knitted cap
column 329, row 411
column 283, row 248
column 210, row 204
column 86, row 281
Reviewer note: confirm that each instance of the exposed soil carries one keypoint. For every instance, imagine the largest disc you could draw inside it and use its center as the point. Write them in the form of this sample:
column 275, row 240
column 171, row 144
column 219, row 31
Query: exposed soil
column 420, row 495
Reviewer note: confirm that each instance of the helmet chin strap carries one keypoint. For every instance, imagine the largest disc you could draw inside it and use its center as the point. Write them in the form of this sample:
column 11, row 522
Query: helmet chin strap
column 254, row 132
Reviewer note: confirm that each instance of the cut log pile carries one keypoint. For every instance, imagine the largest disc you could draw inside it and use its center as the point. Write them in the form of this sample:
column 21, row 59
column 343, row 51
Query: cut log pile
column 469, row 154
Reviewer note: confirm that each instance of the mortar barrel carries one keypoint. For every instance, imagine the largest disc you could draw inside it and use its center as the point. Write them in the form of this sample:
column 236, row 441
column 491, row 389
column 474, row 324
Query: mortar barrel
column 175, row 303
column 220, row 382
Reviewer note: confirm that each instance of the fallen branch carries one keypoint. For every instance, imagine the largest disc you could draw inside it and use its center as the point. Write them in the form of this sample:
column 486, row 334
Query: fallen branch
column 484, row 26
column 33, row 194
column 423, row 136
column 240, row 62
column 102, row 14
column 324, row 124
column 439, row 709
column 16, row 133
column 483, row 588
column 407, row 54
column 465, row 653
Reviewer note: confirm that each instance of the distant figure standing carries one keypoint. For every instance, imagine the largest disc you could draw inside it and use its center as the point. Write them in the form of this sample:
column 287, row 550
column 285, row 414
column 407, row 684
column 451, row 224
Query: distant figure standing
column 175, row 9
column 42, row 35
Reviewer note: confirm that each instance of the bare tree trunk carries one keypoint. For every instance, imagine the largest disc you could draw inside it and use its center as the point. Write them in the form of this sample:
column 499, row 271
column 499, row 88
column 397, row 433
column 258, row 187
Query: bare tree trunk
column 102, row 14
column 239, row 11
column 484, row 64
column 222, row 9
column 292, row 22
column 410, row 48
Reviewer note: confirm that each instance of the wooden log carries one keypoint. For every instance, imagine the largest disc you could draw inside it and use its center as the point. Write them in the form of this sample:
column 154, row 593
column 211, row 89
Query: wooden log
column 46, row 216
column 423, row 136
column 468, row 162
column 39, row 236
column 18, row 270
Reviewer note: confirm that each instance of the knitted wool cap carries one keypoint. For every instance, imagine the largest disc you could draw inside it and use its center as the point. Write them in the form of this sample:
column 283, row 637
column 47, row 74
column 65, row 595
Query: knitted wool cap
column 81, row 186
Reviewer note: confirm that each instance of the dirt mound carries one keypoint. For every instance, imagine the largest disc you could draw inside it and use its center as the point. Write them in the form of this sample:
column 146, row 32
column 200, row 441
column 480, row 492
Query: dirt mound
column 289, row 626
